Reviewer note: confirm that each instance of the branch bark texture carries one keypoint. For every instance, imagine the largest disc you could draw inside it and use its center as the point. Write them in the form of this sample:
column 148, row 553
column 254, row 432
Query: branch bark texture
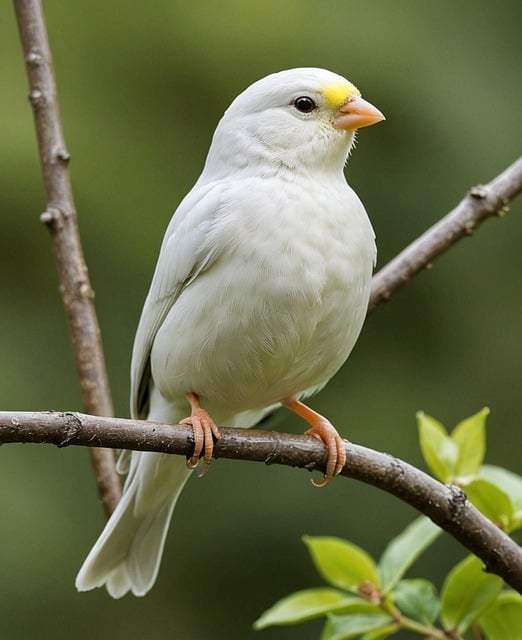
column 60, row 219
column 445, row 505
column 481, row 202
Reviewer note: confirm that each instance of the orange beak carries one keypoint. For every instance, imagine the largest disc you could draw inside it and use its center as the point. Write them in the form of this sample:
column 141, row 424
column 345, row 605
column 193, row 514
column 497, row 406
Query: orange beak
column 357, row 113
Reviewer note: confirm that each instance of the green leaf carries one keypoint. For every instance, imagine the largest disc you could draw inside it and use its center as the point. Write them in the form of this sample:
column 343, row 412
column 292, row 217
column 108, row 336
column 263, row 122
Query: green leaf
column 342, row 563
column 503, row 621
column 404, row 549
column 439, row 451
column 511, row 484
column 490, row 500
column 470, row 438
column 467, row 592
column 305, row 605
column 353, row 626
column 417, row 599
column 382, row 633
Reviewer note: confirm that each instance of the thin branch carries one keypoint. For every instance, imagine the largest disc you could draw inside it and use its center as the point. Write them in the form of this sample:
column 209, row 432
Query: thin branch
column 445, row 505
column 481, row 202
column 60, row 220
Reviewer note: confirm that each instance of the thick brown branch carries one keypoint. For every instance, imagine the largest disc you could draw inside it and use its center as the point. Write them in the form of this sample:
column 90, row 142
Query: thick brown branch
column 60, row 219
column 480, row 203
column 445, row 505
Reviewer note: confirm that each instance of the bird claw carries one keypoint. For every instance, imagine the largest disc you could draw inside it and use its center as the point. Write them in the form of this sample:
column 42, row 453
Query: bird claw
column 336, row 451
column 205, row 430
column 323, row 430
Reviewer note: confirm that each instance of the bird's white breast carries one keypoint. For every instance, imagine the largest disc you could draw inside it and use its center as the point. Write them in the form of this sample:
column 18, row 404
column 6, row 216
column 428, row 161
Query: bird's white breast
column 280, row 308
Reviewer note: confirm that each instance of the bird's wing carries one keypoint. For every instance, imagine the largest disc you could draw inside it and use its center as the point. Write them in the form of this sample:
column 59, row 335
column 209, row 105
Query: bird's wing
column 183, row 255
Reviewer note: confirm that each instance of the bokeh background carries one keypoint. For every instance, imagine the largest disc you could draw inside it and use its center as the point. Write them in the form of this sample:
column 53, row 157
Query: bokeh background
column 141, row 88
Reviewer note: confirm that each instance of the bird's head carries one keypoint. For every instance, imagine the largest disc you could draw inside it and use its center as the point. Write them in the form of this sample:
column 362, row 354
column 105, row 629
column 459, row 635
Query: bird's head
column 297, row 119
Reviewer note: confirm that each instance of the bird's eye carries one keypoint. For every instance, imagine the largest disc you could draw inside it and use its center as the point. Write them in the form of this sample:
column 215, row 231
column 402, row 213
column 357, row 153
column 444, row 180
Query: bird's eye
column 304, row 104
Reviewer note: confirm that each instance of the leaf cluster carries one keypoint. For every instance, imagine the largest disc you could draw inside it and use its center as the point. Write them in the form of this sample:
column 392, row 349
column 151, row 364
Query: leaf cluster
column 372, row 600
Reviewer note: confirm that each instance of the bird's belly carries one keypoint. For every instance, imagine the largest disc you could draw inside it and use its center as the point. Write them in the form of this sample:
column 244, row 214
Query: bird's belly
column 247, row 337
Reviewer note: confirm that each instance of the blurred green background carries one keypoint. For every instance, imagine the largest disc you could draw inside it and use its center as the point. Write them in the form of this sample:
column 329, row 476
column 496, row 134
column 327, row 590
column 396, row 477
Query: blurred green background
column 142, row 87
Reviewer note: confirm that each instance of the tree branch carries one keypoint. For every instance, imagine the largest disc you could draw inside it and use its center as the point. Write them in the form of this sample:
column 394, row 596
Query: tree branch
column 60, row 220
column 481, row 202
column 445, row 505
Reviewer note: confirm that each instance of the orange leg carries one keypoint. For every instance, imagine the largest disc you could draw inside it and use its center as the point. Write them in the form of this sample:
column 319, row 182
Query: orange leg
column 205, row 430
column 322, row 429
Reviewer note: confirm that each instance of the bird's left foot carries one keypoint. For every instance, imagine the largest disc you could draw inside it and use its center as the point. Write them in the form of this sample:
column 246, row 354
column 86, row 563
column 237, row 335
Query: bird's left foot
column 322, row 429
column 205, row 430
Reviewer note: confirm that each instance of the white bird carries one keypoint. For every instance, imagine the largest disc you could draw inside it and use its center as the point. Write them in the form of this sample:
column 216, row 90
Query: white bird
column 259, row 294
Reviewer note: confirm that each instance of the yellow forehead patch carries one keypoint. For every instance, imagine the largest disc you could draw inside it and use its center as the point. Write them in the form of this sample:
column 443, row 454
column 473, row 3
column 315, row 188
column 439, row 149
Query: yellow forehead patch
column 338, row 93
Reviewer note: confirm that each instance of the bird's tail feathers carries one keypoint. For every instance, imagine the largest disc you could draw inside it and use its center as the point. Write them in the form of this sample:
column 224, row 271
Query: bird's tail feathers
column 128, row 552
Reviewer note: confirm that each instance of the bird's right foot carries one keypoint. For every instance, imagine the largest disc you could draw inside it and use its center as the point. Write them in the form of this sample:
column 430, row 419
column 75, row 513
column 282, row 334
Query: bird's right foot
column 205, row 430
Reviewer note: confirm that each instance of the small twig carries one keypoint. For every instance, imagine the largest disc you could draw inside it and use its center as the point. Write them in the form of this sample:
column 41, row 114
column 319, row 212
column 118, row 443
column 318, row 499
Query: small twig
column 481, row 202
column 445, row 505
column 60, row 219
